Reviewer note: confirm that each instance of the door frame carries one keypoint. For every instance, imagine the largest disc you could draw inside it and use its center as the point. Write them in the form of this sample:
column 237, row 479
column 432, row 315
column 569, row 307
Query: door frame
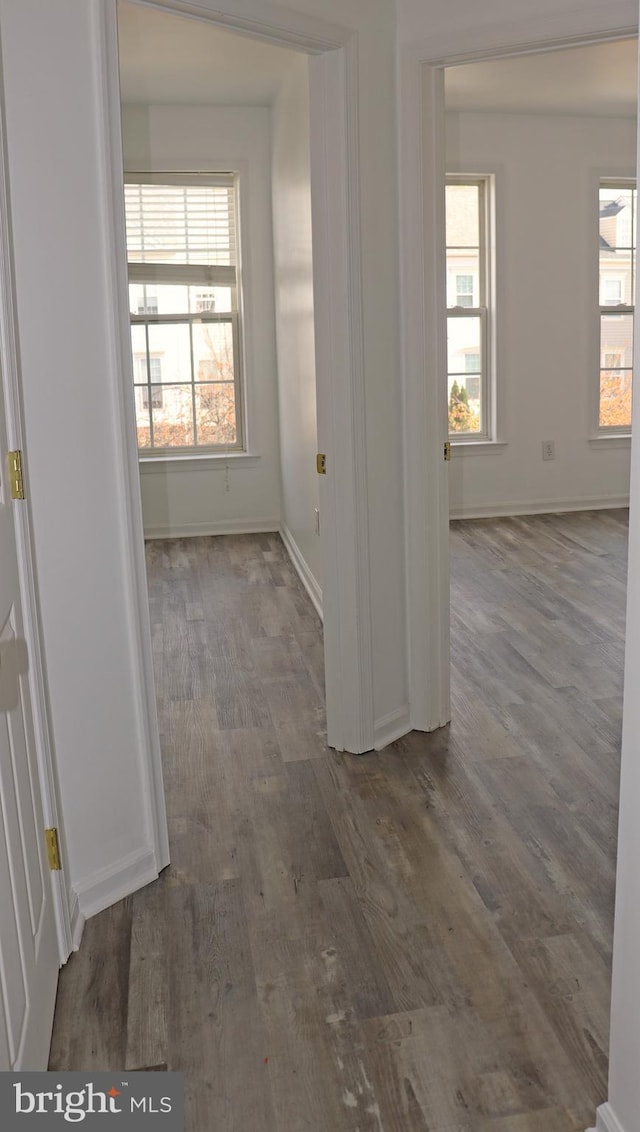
column 11, row 392
column 339, row 354
column 423, row 324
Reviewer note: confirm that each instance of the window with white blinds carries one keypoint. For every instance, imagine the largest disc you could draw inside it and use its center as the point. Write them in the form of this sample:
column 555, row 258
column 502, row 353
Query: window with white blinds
column 182, row 250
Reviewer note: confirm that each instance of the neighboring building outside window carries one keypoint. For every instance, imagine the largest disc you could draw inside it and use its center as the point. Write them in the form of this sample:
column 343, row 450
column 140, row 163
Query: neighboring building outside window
column 182, row 249
column 147, row 301
column 205, row 300
column 611, row 292
column 464, row 290
column 150, row 373
column 468, row 302
column 617, row 253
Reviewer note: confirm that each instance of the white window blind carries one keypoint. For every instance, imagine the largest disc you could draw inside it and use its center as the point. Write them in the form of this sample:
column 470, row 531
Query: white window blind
column 182, row 231
column 181, row 223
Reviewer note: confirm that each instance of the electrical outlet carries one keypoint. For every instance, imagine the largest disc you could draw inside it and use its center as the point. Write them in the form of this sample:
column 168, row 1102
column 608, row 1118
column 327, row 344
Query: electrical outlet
column 548, row 449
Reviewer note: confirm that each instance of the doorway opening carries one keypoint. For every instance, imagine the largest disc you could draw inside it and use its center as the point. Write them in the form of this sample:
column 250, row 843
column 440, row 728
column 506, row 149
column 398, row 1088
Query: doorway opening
column 216, row 143
column 204, row 110
column 338, row 331
column 540, row 230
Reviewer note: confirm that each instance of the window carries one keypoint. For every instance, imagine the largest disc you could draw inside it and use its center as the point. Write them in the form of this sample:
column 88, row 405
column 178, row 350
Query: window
column 182, row 248
column 205, row 300
column 148, row 388
column 143, row 396
column 464, row 290
column 611, row 292
column 617, row 244
column 147, row 301
column 468, row 295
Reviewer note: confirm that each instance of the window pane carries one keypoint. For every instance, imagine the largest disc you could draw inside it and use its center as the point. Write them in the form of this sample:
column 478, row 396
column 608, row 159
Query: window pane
column 170, row 345
column 616, row 218
column 615, row 398
column 463, row 339
column 217, row 299
column 616, row 274
column 139, row 352
column 463, row 212
column 143, row 423
column 465, row 374
column 213, row 351
column 143, row 298
column 216, row 414
column 463, row 277
column 616, row 340
column 158, row 298
column 465, row 403
column 173, row 422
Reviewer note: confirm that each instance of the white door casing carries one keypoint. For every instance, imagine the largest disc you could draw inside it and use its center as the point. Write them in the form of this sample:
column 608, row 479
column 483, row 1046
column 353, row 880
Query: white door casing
column 30, row 946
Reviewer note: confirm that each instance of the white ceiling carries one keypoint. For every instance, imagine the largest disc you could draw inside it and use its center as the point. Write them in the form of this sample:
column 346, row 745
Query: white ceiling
column 174, row 60
column 598, row 79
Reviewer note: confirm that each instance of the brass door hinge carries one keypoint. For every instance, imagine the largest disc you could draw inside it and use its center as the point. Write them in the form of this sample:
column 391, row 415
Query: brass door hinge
column 16, row 479
column 447, row 449
column 53, row 849
column 321, row 464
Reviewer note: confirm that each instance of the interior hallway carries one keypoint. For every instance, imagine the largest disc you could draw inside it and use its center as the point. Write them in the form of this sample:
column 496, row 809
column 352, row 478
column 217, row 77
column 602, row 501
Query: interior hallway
column 414, row 941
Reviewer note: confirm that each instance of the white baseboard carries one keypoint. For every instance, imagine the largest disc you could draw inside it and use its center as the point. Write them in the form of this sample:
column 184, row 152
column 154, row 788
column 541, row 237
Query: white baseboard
column 106, row 886
column 606, row 1120
column 77, row 921
column 538, row 507
column 212, row 527
column 301, row 567
column 391, row 727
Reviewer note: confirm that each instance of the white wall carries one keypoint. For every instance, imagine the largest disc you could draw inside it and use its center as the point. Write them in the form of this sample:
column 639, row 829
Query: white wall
column 507, row 22
column 291, row 195
column 220, row 495
column 547, row 170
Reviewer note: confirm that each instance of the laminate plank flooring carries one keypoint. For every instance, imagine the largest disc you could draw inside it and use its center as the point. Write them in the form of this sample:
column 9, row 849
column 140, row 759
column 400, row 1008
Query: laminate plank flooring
column 412, row 941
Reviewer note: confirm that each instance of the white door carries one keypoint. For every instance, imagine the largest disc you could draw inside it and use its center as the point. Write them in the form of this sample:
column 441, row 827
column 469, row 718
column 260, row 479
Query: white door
column 28, row 941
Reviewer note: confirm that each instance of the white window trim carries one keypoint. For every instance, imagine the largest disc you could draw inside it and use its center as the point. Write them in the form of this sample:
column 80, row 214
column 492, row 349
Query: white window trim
column 473, row 447
column 208, row 461
column 608, row 436
column 204, row 275
column 489, row 439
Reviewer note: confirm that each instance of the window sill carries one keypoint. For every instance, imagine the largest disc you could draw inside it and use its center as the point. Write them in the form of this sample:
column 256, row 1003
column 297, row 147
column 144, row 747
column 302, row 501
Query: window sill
column 614, row 441
column 208, row 462
column 477, row 447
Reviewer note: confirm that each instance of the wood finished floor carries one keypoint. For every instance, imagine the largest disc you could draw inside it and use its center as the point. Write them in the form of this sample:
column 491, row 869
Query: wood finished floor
column 412, row 941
